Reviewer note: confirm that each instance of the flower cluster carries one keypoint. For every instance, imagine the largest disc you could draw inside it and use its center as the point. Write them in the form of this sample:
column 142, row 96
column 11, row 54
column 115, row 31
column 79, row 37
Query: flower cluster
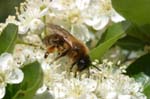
column 77, row 16
column 109, row 83
column 24, row 54
column 9, row 72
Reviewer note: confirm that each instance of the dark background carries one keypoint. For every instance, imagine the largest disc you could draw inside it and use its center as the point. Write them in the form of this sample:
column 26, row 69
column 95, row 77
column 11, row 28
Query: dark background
column 7, row 7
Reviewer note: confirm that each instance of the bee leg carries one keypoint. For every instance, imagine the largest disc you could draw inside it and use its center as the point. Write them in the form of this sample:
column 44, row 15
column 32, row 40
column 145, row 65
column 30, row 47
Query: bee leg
column 50, row 50
column 61, row 55
column 46, row 54
column 72, row 66
column 88, row 73
column 75, row 74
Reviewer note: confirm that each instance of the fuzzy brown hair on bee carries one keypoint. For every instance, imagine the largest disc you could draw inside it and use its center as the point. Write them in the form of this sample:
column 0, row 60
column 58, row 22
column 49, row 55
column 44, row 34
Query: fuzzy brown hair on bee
column 66, row 44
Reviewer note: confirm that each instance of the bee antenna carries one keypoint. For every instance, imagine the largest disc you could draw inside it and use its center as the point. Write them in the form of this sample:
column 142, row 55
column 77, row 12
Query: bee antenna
column 96, row 67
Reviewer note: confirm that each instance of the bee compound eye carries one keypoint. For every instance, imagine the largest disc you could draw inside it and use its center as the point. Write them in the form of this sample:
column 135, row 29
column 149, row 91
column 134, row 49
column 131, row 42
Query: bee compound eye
column 83, row 63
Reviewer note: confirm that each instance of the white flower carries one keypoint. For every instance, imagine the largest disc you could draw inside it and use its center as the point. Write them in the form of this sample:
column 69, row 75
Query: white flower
column 33, row 39
column 42, row 4
column 31, row 15
column 91, row 82
column 58, row 90
column 24, row 54
column 36, row 26
column 79, row 89
column 63, row 4
column 81, row 32
column 109, row 83
column 73, row 89
column 77, row 15
column 99, row 14
column 50, row 72
column 74, row 15
column 9, row 73
column 63, row 85
column 28, row 20
column 124, row 97
column 82, row 4
column 114, row 85
column 69, row 14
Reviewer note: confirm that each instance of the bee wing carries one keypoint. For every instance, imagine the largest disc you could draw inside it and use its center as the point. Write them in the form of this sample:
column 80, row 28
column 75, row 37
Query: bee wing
column 62, row 32
column 70, row 39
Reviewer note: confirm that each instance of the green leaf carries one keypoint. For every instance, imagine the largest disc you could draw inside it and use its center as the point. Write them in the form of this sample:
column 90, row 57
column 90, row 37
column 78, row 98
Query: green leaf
column 139, row 33
column 147, row 89
column 8, row 38
column 114, row 33
column 33, row 79
column 130, row 43
column 110, row 32
column 136, row 11
column 142, row 64
column 136, row 39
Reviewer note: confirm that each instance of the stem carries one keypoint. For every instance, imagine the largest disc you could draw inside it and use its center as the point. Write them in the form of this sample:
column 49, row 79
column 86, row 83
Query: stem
column 19, row 41
column 44, row 20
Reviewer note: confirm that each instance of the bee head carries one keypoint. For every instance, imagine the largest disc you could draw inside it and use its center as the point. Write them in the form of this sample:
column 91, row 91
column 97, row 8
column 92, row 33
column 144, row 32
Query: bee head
column 83, row 63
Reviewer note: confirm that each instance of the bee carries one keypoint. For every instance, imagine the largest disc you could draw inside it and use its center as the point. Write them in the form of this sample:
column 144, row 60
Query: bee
column 67, row 45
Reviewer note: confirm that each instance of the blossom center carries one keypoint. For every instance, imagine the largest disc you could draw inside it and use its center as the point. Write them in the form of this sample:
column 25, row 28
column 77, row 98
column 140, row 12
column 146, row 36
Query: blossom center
column 74, row 16
column 106, row 7
column 77, row 90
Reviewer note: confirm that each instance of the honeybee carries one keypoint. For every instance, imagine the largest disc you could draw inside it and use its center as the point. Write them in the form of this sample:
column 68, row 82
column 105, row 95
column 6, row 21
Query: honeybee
column 67, row 45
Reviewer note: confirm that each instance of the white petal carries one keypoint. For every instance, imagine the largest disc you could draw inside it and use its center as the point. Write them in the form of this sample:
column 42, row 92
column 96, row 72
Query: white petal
column 45, row 65
column 88, row 22
column 82, row 4
column 90, row 84
column 6, row 60
column 59, row 90
column 70, row 97
column 81, row 32
column 36, row 25
column 90, row 96
column 44, row 12
column 117, row 18
column 41, row 90
column 102, row 23
column 2, row 91
column 23, row 29
column 15, row 77
column 124, row 97
column 44, row 95
column 111, row 95
column 29, row 54
column 91, row 20
column 57, row 4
